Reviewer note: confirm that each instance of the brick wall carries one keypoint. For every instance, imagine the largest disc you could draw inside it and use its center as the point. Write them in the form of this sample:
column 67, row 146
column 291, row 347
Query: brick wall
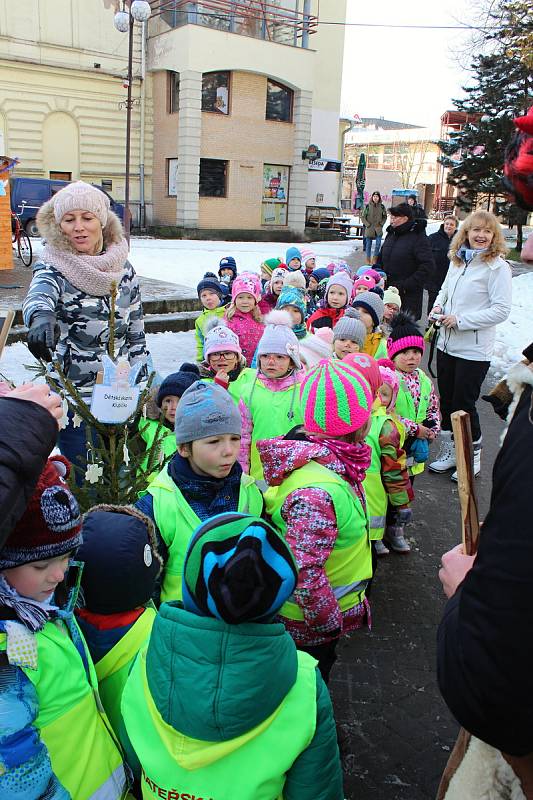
column 243, row 138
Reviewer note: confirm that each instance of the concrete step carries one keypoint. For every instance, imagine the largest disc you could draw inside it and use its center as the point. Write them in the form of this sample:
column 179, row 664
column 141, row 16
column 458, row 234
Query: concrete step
column 180, row 321
column 168, row 304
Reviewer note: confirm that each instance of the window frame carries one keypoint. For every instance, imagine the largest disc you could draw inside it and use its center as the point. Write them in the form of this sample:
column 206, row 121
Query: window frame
column 229, row 88
column 173, row 102
column 167, row 175
column 226, row 179
column 287, row 89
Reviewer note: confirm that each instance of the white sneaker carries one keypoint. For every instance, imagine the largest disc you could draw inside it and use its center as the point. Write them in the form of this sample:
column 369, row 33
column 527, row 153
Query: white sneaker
column 379, row 548
column 477, row 461
column 446, row 456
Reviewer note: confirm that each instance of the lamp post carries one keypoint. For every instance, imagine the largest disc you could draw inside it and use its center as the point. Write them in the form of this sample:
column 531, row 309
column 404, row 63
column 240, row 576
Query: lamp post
column 138, row 11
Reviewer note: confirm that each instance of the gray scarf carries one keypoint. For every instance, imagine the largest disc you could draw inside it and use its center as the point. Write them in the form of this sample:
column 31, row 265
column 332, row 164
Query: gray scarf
column 93, row 275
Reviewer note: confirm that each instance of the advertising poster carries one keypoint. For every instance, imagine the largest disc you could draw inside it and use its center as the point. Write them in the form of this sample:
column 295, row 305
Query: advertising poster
column 275, row 194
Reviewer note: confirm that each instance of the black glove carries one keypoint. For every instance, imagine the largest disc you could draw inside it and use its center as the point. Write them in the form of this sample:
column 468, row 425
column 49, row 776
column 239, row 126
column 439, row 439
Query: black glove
column 43, row 335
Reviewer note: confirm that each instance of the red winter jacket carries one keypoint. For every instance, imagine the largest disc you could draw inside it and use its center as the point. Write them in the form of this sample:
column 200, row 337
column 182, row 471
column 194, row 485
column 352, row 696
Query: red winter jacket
column 325, row 318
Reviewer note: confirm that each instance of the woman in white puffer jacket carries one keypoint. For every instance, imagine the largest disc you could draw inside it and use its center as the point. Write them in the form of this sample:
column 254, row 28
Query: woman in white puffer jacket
column 474, row 298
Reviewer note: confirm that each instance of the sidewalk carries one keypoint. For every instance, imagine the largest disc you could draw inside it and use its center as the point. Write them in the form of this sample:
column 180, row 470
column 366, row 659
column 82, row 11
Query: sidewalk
column 384, row 686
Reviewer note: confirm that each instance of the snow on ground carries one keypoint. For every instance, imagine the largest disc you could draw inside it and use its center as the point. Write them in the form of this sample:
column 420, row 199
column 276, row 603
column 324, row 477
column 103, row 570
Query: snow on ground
column 516, row 332
column 169, row 350
column 185, row 261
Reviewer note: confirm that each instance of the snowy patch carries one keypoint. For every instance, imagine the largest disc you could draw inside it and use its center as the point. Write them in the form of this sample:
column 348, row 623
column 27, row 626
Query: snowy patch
column 169, row 351
column 513, row 335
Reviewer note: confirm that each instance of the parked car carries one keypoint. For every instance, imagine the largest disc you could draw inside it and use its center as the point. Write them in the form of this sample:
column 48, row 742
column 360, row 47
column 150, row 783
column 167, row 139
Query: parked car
column 29, row 194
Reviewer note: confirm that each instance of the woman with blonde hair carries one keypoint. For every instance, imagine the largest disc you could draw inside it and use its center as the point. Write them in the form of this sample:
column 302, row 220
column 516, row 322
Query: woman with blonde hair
column 474, row 298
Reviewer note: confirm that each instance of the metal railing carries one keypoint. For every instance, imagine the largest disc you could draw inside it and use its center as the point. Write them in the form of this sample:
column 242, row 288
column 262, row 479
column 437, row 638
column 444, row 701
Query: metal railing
column 283, row 21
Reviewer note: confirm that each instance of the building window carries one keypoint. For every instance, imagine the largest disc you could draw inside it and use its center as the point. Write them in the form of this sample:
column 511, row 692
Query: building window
column 213, row 177
column 274, row 205
column 215, row 92
column 172, row 177
column 60, row 176
column 279, row 102
column 173, row 92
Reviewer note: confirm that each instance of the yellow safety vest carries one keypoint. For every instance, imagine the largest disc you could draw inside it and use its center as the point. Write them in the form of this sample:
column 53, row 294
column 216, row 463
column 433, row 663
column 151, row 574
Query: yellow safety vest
column 349, row 565
column 177, row 522
column 71, row 720
column 252, row 766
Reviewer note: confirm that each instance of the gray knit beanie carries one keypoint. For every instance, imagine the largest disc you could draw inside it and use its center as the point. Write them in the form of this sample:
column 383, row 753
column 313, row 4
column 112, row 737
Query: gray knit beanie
column 372, row 303
column 350, row 327
column 205, row 409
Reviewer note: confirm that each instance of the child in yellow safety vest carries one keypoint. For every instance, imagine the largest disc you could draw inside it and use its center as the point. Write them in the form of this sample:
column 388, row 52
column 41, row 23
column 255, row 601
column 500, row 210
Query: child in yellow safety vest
column 220, row 704
column 370, row 307
column 387, row 479
column 55, row 739
column 268, row 398
column 164, row 402
column 417, row 404
column 349, row 334
column 120, row 568
column 316, row 499
column 202, row 479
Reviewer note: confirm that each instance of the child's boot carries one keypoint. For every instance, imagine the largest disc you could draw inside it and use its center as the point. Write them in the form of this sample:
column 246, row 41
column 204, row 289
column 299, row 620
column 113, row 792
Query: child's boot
column 446, row 456
column 379, row 548
column 477, row 459
column 394, row 536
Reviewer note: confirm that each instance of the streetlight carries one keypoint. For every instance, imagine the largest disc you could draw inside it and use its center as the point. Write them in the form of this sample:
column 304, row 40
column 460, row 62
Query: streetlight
column 139, row 11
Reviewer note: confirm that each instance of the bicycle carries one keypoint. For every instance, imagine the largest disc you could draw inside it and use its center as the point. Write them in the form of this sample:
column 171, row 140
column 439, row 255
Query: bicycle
column 21, row 242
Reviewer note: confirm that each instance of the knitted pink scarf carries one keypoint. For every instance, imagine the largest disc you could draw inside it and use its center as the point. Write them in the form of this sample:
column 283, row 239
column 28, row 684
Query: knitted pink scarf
column 93, row 275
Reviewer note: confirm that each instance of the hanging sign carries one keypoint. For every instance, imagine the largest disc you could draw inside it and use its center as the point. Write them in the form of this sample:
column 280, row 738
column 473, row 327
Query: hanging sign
column 115, row 399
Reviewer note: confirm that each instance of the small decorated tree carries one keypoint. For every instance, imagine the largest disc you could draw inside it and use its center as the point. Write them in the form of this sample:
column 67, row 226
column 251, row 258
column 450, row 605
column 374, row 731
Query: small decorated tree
column 118, row 465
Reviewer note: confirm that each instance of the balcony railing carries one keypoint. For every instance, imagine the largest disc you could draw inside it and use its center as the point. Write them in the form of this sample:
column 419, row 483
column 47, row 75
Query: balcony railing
column 283, row 21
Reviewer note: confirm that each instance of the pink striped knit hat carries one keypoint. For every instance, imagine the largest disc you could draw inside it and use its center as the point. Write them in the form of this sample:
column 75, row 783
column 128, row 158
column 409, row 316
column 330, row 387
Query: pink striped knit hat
column 335, row 399
column 247, row 282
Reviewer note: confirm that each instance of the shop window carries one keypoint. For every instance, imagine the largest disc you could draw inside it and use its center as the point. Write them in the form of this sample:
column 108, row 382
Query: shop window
column 172, row 177
column 173, row 92
column 213, row 177
column 279, row 101
column 274, row 205
column 215, row 92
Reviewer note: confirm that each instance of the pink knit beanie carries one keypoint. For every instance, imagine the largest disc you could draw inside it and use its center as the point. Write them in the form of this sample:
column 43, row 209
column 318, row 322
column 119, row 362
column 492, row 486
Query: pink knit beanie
column 390, row 377
column 365, row 282
column 336, row 399
column 366, row 366
column 247, row 282
column 81, row 196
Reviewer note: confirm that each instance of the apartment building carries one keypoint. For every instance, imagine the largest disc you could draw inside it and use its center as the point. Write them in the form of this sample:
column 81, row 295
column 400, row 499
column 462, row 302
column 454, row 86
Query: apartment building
column 398, row 156
column 227, row 97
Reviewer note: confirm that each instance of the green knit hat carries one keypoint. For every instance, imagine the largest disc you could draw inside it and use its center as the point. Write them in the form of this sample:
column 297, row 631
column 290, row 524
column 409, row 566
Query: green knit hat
column 238, row 568
column 270, row 264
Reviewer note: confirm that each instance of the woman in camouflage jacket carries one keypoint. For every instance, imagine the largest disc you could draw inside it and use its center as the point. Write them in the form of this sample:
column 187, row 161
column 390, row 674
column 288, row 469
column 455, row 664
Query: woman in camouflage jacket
column 68, row 305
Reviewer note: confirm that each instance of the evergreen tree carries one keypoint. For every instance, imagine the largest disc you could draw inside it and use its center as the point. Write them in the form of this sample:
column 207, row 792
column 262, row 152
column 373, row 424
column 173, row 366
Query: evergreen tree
column 501, row 90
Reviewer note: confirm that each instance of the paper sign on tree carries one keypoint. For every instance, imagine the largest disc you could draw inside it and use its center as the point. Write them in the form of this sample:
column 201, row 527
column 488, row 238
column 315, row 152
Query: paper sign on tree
column 116, row 399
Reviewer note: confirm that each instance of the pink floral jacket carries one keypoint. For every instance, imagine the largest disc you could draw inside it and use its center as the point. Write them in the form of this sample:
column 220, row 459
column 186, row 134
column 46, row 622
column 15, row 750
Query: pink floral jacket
column 249, row 332
column 311, row 533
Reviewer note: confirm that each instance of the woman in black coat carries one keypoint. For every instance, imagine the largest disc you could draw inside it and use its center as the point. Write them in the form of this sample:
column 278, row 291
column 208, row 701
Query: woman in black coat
column 485, row 639
column 440, row 244
column 406, row 257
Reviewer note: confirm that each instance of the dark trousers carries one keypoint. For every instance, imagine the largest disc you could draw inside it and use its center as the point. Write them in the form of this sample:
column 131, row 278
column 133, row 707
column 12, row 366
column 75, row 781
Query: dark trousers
column 325, row 655
column 459, row 387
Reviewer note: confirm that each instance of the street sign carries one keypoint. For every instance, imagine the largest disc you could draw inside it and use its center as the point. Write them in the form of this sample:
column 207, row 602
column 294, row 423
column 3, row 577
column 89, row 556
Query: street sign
column 312, row 152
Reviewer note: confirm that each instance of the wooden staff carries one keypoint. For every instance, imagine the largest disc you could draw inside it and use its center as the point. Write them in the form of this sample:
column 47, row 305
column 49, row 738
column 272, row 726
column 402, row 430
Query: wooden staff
column 464, row 456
